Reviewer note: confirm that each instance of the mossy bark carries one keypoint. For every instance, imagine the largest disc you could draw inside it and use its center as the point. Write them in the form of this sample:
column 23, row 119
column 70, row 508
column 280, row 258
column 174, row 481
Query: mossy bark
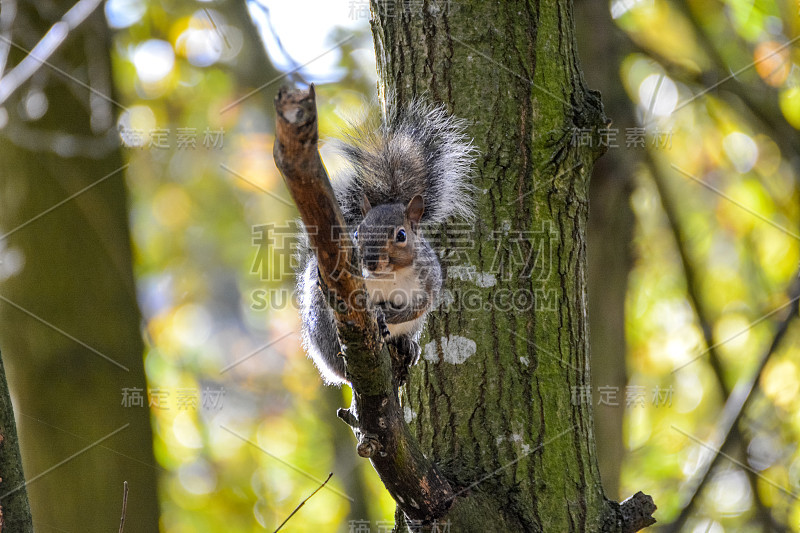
column 68, row 298
column 506, row 415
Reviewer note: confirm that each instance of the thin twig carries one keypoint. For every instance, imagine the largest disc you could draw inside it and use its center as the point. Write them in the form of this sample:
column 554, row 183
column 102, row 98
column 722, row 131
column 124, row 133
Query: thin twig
column 302, row 503
column 124, row 506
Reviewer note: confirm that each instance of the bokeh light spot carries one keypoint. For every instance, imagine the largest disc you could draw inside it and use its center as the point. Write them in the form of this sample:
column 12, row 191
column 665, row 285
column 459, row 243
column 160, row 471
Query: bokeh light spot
column 153, row 60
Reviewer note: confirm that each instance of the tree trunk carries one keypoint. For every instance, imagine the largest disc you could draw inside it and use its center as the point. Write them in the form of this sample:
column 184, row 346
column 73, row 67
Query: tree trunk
column 69, row 322
column 496, row 400
column 15, row 509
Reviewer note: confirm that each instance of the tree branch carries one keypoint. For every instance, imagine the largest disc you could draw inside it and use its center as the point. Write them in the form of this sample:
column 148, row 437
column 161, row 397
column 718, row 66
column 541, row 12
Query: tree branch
column 414, row 482
column 693, row 291
column 693, row 288
column 45, row 48
column 735, row 407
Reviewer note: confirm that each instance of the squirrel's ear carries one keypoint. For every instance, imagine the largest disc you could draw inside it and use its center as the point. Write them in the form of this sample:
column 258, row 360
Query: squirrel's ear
column 365, row 207
column 415, row 209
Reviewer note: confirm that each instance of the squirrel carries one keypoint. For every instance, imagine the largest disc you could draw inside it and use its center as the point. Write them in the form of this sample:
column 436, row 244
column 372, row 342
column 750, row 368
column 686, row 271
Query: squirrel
column 410, row 168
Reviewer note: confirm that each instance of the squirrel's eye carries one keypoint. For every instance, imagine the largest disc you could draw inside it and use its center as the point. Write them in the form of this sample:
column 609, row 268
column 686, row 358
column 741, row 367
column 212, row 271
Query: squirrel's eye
column 355, row 235
column 401, row 235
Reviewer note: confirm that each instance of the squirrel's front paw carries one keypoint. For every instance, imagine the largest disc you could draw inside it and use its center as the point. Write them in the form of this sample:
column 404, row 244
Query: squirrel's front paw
column 382, row 327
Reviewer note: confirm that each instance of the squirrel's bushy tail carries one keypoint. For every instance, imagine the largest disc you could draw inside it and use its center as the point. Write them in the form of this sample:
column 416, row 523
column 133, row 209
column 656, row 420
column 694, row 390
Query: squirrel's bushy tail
column 416, row 149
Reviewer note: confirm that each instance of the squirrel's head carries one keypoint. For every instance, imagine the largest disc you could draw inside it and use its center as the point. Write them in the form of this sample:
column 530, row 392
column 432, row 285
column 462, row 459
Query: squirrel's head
column 387, row 236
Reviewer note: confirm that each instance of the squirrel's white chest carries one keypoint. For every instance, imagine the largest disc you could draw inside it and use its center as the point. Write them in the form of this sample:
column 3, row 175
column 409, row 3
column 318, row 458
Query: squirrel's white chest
column 398, row 289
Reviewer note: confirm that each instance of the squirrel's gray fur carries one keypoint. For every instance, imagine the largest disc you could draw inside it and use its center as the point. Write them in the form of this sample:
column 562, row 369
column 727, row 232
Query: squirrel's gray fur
column 417, row 149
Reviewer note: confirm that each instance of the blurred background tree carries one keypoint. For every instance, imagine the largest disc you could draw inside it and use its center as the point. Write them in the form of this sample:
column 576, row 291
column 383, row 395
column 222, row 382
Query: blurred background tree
column 69, row 323
column 693, row 249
